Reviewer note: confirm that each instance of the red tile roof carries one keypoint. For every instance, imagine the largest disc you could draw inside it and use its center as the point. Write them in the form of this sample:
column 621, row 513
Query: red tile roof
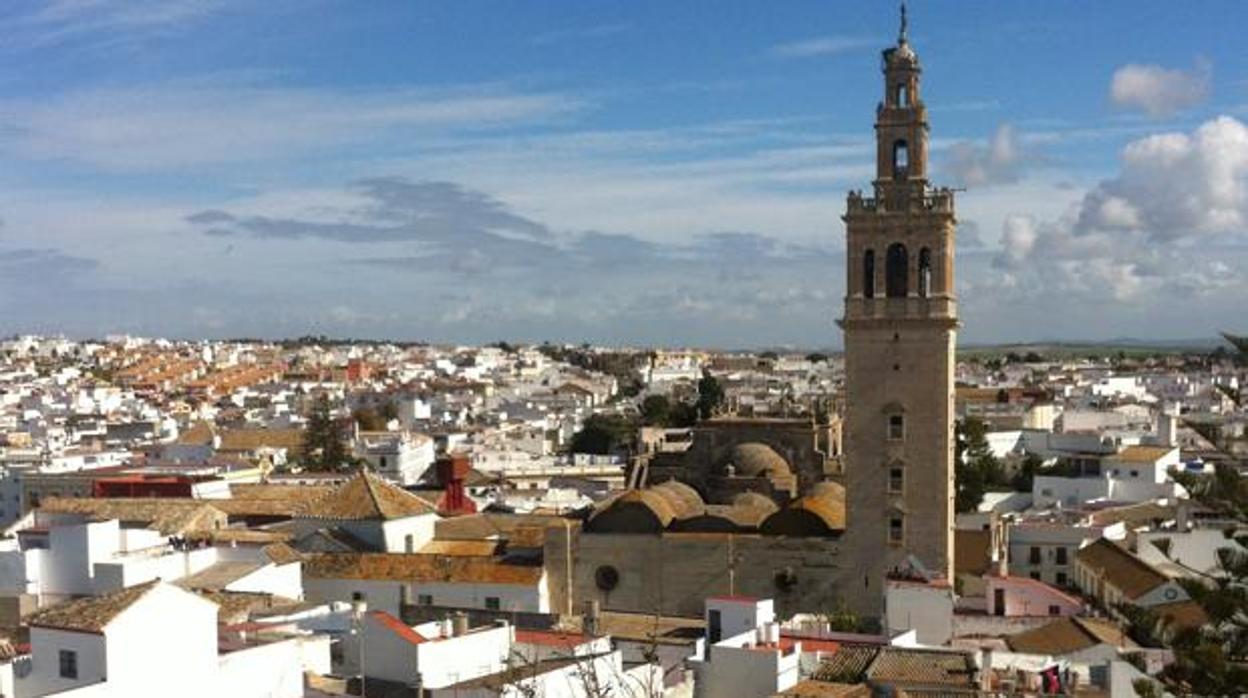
column 397, row 627
column 809, row 644
column 551, row 638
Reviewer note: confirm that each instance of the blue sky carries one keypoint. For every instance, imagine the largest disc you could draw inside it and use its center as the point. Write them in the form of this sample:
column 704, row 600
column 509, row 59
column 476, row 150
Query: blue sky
column 633, row 173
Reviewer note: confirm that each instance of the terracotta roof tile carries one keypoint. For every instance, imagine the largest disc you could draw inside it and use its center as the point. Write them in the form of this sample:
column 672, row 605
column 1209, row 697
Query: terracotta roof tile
column 1131, row 575
column 1066, row 635
column 282, row 554
column 1142, row 454
column 218, row 576
column 242, row 440
column 279, row 492
column 368, row 497
column 855, row 664
column 460, row 548
column 552, row 638
column 237, row 606
column 169, row 516
column 91, row 614
column 923, row 667
column 418, row 568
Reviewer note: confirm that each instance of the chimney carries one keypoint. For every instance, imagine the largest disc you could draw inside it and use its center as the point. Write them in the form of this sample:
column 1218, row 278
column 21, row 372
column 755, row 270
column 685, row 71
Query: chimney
column 589, row 622
column 459, row 624
column 452, row 469
column 1182, row 515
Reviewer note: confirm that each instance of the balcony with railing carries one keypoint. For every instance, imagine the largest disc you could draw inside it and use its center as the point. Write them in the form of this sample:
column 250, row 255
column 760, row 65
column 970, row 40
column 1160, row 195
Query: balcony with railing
column 930, row 201
column 910, row 307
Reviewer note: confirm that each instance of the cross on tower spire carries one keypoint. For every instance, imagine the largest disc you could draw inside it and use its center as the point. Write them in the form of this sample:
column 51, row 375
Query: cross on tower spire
column 901, row 35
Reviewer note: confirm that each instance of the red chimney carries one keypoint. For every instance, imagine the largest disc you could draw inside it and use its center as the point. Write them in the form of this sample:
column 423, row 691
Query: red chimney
column 452, row 473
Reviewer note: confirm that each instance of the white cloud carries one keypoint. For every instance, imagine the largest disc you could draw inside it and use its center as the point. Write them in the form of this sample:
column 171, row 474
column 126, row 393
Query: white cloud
column 1160, row 91
column 1168, row 223
column 997, row 162
column 821, row 46
column 185, row 124
column 108, row 22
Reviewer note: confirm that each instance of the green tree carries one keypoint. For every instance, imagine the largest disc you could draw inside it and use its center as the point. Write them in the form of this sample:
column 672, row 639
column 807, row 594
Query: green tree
column 323, row 445
column 1213, row 659
column 603, row 434
column 683, row 415
column 1027, row 471
column 710, row 395
column 656, row 411
column 976, row 470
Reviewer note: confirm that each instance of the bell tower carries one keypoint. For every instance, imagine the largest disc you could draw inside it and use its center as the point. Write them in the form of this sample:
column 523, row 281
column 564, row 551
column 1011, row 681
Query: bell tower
column 900, row 327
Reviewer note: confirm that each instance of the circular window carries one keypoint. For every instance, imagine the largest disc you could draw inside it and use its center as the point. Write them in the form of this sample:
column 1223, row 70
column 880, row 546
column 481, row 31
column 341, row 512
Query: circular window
column 1170, row 594
column 606, row 578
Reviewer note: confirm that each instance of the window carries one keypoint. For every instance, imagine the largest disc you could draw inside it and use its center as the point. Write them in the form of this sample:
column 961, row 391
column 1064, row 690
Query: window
column 492, row 603
column 1061, row 556
column 69, row 664
column 897, row 271
column 1033, row 555
column 896, row 529
column 901, row 159
column 901, row 95
column 896, row 427
column 1055, row 610
column 1061, row 579
column 381, row 463
column 896, row 479
column 424, row 599
column 357, row 596
column 1035, row 576
column 868, row 274
column 925, row 272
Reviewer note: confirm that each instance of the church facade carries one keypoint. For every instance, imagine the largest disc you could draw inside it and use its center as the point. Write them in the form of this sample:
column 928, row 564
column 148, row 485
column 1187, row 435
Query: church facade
column 900, row 325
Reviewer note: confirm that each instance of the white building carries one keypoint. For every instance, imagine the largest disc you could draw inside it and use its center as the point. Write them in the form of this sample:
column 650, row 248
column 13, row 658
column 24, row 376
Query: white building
column 398, row 456
column 147, row 640
column 744, row 655
column 447, row 658
column 923, row 607
column 65, row 555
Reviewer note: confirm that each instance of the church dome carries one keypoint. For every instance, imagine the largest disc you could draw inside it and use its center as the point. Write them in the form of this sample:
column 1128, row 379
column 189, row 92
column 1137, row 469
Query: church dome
column 757, row 460
column 683, row 500
column 820, row 513
column 754, row 500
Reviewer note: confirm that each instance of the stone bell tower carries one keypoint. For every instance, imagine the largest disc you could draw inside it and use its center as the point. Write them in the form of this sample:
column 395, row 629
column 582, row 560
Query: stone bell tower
column 900, row 328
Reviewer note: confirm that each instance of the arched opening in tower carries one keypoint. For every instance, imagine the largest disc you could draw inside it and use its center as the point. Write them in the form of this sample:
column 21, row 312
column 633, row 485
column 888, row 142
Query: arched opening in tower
column 925, row 272
column 901, row 158
column 868, row 274
column 901, row 95
column 897, row 271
